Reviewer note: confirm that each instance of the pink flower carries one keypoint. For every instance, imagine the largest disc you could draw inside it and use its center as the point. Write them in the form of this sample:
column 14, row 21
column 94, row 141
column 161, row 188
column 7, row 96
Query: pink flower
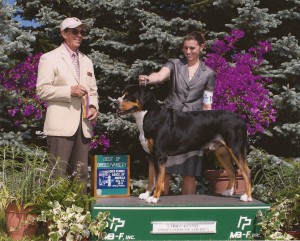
column 238, row 88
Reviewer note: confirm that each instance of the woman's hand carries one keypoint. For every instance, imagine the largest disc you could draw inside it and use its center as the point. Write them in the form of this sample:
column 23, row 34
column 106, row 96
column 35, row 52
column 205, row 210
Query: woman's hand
column 155, row 77
column 143, row 79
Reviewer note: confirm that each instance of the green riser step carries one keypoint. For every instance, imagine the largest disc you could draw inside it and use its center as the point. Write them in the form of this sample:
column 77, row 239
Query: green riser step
column 183, row 217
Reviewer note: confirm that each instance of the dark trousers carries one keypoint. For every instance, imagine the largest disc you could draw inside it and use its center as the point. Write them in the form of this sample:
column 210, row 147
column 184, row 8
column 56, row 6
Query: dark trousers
column 71, row 155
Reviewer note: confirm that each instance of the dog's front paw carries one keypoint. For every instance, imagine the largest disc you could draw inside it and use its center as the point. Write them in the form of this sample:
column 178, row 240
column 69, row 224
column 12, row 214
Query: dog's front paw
column 228, row 192
column 145, row 195
column 245, row 198
column 152, row 199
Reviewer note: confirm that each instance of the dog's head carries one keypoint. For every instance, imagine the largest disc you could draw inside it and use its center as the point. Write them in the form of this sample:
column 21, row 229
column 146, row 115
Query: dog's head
column 135, row 98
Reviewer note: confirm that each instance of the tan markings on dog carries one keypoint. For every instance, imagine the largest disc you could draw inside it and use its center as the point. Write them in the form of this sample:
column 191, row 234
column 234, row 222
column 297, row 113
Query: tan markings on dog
column 140, row 107
column 151, row 175
column 225, row 160
column 150, row 144
column 160, row 186
column 127, row 105
column 242, row 165
column 215, row 143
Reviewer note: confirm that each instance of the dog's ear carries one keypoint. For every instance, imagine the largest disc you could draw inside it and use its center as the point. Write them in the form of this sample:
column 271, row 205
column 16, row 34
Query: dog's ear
column 146, row 98
column 143, row 94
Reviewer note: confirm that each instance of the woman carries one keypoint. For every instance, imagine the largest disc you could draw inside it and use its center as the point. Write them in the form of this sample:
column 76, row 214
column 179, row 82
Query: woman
column 191, row 89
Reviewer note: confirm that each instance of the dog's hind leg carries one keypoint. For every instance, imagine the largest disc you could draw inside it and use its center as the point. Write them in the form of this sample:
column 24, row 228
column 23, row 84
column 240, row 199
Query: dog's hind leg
column 247, row 176
column 243, row 166
column 151, row 180
column 225, row 160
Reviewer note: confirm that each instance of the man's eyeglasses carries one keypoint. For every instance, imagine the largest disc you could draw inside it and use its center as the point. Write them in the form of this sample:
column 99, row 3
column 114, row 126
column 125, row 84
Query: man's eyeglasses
column 75, row 31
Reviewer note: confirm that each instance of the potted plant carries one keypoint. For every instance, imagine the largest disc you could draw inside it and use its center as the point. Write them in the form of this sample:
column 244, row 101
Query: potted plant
column 24, row 173
column 66, row 191
column 72, row 223
column 64, row 209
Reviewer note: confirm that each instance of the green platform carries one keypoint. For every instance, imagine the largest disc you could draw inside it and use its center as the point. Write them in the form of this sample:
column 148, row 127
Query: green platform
column 183, row 217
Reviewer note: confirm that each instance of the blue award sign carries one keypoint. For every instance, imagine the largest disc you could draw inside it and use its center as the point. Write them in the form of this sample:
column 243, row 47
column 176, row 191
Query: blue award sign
column 111, row 176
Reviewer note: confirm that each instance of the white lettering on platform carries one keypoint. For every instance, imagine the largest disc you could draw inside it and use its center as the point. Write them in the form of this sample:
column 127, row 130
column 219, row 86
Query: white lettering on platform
column 184, row 227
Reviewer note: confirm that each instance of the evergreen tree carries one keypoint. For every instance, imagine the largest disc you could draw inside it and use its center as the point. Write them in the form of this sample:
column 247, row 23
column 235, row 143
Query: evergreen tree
column 15, row 43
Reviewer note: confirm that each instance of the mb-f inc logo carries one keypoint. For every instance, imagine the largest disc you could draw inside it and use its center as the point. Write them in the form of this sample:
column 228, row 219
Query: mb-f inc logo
column 242, row 224
column 116, row 225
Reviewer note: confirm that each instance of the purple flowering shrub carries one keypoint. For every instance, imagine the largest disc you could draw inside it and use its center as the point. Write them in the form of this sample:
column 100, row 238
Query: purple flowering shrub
column 20, row 82
column 28, row 110
column 238, row 86
column 100, row 141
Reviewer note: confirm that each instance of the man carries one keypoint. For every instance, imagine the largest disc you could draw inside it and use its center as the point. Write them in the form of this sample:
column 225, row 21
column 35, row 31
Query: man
column 66, row 81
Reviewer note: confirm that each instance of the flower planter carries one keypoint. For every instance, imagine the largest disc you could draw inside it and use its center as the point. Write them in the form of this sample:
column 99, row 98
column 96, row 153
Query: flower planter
column 218, row 181
column 294, row 233
column 18, row 222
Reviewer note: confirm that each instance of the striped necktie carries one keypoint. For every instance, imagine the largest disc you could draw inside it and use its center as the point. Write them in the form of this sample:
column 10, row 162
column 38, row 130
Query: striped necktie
column 75, row 62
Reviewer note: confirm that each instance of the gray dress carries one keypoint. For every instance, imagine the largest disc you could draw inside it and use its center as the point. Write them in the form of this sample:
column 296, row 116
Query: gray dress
column 187, row 95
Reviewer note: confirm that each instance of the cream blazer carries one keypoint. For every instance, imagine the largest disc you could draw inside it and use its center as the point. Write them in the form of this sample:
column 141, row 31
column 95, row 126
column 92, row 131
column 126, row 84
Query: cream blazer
column 56, row 75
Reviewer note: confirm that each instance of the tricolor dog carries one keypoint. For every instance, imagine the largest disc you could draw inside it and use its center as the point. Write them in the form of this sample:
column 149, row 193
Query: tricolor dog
column 166, row 132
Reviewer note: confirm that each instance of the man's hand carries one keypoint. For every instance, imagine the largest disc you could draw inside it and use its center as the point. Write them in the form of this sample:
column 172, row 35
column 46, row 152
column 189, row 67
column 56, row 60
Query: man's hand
column 93, row 113
column 78, row 91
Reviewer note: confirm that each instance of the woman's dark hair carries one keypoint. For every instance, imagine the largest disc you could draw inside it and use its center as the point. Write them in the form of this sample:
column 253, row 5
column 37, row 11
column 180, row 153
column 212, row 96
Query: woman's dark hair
column 195, row 35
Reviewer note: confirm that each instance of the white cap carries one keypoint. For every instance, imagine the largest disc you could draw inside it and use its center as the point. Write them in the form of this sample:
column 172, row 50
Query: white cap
column 72, row 23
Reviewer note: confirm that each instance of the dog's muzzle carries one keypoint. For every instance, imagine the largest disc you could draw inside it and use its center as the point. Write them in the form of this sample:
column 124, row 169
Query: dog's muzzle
column 122, row 111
